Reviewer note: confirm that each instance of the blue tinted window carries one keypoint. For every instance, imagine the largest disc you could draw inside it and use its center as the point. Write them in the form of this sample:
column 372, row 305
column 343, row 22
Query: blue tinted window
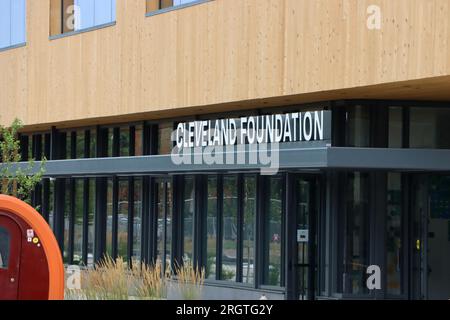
column 91, row 13
column 12, row 22
column 180, row 2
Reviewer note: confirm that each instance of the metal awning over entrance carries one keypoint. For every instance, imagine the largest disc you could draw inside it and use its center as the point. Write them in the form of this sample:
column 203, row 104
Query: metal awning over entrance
column 319, row 158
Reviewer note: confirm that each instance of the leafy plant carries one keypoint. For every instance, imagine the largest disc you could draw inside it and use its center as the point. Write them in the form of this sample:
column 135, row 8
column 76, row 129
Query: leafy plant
column 16, row 181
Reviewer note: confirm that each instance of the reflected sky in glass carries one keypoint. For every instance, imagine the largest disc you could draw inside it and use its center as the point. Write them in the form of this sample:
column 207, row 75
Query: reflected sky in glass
column 12, row 22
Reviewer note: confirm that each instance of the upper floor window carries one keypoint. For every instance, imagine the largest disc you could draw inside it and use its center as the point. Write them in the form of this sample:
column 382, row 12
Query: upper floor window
column 154, row 5
column 75, row 15
column 12, row 22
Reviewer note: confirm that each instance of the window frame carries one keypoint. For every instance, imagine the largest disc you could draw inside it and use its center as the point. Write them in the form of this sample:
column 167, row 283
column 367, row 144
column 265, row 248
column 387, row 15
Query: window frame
column 175, row 7
column 63, row 34
column 12, row 46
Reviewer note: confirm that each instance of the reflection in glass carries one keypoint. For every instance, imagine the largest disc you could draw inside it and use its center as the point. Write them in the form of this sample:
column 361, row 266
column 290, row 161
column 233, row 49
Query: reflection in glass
column 429, row 128
column 110, row 141
column 91, row 223
column 67, row 209
column 78, row 222
column 137, row 218
column 395, row 127
column 4, row 248
column 358, row 126
column 161, row 212
column 138, row 141
column 93, row 144
column 168, row 229
column 68, row 150
column 394, row 234
column 211, row 241
column 122, row 219
column 109, row 217
column 229, row 228
column 188, row 218
column 80, row 143
column 124, row 141
column 356, row 253
column 249, row 204
column 273, row 232
column 164, row 214
column 165, row 142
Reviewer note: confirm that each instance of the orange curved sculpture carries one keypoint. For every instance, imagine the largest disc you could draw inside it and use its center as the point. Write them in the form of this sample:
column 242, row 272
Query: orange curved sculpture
column 47, row 239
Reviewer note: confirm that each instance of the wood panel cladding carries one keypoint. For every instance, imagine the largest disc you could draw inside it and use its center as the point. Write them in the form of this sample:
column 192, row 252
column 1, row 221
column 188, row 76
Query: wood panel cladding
column 222, row 55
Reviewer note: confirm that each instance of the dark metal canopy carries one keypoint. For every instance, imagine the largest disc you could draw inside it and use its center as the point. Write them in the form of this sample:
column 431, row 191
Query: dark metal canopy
column 318, row 158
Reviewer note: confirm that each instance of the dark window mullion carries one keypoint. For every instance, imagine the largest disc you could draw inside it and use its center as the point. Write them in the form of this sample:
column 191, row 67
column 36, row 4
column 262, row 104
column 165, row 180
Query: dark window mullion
column 115, row 214
column 130, row 219
column 145, row 220
column 262, row 231
column 219, row 241
column 240, row 226
column 87, row 144
column 164, row 237
column 71, row 219
column 116, row 142
column 73, row 145
column 86, row 202
column 283, row 236
column 154, row 194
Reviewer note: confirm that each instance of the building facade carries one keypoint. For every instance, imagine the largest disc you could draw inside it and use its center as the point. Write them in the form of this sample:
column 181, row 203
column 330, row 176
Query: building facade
column 358, row 113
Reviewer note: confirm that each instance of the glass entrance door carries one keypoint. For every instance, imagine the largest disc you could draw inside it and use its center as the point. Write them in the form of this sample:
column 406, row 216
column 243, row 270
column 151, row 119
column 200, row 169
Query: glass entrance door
column 431, row 231
column 306, row 209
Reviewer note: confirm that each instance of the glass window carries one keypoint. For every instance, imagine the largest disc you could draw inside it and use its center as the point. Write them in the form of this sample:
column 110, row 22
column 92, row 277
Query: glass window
column 429, row 128
column 161, row 216
column 164, row 216
column 68, row 150
column 93, row 143
column 273, row 233
column 211, row 240
column 356, row 253
column 109, row 216
column 78, row 219
column 168, row 229
column 109, row 142
column 67, row 214
column 394, row 234
column 138, row 140
column 395, row 127
column 74, row 15
column 80, row 144
column 137, row 218
column 4, row 248
column 91, row 222
column 122, row 223
column 358, row 126
column 124, row 141
column 12, row 22
column 165, row 143
column 229, row 228
column 188, row 219
column 249, row 206
column 154, row 5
